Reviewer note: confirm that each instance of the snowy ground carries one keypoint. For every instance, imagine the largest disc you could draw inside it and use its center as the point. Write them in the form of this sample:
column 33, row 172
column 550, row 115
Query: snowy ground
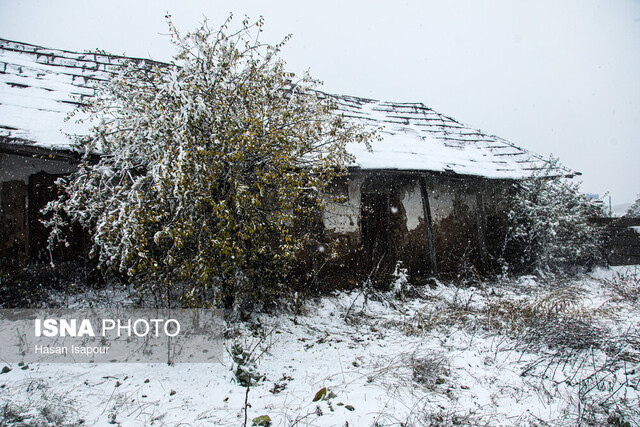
column 524, row 352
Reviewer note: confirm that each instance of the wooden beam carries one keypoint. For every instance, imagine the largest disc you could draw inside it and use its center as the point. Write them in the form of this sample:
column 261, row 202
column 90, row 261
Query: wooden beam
column 18, row 147
column 429, row 225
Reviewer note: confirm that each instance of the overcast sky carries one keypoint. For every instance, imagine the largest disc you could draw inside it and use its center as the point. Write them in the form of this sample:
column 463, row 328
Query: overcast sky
column 555, row 77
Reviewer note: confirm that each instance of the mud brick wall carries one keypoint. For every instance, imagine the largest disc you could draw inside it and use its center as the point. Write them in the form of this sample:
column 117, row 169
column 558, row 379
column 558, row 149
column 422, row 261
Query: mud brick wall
column 385, row 219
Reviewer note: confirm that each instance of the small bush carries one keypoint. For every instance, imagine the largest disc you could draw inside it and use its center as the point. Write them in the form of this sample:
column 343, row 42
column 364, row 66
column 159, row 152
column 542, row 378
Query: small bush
column 550, row 229
column 245, row 370
column 210, row 169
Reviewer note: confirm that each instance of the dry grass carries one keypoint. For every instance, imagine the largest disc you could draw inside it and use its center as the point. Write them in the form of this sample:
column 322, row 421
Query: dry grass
column 517, row 315
column 426, row 370
column 429, row 318
column 626, row 284
column 40, row 408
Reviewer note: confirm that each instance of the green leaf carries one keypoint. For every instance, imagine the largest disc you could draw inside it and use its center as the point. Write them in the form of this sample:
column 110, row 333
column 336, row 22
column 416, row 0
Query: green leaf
column 320, row 394
column 262, row 420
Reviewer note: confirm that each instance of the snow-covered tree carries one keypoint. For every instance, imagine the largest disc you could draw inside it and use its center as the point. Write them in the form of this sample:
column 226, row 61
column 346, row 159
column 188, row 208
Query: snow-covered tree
column 634, row 209
column 211, row 168
column 550, row 228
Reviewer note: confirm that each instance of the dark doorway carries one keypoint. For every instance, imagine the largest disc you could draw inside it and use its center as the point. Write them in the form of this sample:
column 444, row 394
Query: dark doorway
column 375, row 229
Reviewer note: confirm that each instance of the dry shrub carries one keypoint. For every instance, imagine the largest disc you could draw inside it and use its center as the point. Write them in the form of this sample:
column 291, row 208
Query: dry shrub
column 452, row 418
column 566, row 337
column 560, row 305
column 426, row 370
column 429, row 370
column 41, row 407
column 564, row 301
column 626, row 284
column 424, row 321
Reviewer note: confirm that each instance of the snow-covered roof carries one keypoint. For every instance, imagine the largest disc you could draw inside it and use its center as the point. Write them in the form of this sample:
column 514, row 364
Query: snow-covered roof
column 415, row 137
column 39, row 87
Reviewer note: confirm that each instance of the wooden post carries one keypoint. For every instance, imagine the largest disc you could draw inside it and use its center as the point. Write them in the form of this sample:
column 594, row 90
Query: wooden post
column 482, row 234
column 428, row 223
column 314, row 263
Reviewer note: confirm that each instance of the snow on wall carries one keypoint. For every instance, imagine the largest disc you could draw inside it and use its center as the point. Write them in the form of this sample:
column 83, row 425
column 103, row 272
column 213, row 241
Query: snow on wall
column 344, row 218
column 443, row 197
column 412, row 203
column 441, row 204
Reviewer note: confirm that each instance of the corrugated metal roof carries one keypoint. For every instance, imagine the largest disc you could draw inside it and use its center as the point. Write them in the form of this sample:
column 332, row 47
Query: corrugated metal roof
column 39, row 87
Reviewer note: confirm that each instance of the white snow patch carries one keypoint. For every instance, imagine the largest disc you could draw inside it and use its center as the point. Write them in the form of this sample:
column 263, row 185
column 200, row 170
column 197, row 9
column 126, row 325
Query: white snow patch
column 392, row 361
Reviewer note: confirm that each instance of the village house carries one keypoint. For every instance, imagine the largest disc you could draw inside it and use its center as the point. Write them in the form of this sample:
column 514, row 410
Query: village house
column 429, row 195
